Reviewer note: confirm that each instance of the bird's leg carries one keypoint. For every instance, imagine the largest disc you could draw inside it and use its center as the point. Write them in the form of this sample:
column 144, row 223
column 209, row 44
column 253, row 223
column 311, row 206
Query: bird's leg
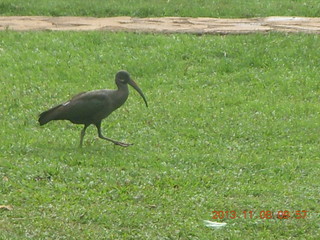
column 98, row 125
column 83, row 132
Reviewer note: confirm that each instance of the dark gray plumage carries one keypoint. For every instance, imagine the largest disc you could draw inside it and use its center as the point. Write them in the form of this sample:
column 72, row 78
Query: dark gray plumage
column 92, row 107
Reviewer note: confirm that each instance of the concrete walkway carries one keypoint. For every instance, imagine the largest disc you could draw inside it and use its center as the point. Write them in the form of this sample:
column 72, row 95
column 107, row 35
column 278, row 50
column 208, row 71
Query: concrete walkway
column 163, row 25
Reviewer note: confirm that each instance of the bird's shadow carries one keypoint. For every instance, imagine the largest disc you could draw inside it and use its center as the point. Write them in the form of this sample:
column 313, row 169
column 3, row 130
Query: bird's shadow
column 88, row 147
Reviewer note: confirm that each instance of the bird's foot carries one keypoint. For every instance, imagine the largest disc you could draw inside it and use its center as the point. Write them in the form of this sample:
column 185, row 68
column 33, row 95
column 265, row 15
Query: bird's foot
column 123, row 144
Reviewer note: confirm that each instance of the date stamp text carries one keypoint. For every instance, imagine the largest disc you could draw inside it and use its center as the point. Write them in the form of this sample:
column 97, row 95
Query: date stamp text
column 265, row 214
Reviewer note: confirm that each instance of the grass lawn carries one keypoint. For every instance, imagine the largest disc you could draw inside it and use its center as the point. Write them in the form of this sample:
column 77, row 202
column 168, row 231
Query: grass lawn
column 233, row 125
column 159, row 8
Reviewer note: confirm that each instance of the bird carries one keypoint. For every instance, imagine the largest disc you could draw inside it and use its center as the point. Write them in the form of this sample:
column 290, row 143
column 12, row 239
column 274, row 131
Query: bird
column 93, row 106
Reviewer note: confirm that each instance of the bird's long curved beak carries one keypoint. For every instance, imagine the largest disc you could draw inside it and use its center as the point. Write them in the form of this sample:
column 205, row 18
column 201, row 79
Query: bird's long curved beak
column 136, row 87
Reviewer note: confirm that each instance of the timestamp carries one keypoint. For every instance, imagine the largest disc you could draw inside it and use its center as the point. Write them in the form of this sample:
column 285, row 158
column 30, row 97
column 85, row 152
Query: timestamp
column 264, row 214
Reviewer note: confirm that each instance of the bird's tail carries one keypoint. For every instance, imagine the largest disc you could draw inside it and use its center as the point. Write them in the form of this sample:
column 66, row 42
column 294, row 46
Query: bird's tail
column 48, row 115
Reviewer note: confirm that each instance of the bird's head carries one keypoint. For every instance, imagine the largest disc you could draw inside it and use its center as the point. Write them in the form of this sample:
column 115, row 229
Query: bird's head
column 123, row 77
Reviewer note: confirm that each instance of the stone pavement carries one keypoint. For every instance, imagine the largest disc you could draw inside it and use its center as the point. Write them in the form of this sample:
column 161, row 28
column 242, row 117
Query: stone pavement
column 163, row 25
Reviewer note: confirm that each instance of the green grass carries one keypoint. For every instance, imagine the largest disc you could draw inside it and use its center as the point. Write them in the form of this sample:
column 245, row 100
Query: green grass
column 232, row 124
column 160, row 8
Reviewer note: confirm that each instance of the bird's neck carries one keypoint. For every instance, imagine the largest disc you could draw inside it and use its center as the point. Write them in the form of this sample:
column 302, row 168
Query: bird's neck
column 121, row 94
column 122, row 87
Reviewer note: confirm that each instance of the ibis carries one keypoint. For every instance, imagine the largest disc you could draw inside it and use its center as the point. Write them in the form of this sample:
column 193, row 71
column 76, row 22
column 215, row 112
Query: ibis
column 92, row 107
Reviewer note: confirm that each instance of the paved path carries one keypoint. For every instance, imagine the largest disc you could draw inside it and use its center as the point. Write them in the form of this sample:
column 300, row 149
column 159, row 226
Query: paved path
column 164, row 25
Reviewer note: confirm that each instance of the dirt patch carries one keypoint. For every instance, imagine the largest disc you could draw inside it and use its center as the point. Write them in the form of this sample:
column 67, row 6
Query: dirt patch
column 163, row 25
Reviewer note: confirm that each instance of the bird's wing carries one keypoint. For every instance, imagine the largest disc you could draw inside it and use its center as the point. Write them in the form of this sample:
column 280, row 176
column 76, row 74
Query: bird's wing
column 83, row 108
column 86, row 106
